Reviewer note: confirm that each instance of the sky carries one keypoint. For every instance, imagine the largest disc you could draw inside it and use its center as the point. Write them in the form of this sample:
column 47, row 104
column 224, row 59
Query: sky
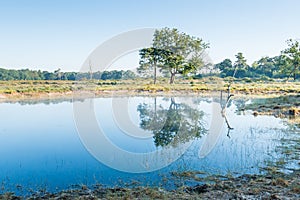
column 52, row 34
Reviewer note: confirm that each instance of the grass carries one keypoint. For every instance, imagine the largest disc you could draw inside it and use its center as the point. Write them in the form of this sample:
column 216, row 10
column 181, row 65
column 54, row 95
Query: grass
column 205, row 85
column 23, row 87
column 283, row 186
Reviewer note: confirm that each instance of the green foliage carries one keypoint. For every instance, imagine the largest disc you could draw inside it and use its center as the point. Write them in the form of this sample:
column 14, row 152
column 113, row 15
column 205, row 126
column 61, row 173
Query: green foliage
column 173, row 53
column 282, row 66
column 240, row 66
column 225, row 67
column 150, row 59
column 107, row 75
column 185, row 52
column 291, row 57
column 238, row 70
column 267, row 67
column 26, row 74
column 264, row 68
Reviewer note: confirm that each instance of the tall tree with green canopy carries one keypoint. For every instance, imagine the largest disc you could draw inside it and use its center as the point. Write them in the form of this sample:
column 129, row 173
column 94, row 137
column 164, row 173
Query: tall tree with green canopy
column 291, row 55
column 184, row 52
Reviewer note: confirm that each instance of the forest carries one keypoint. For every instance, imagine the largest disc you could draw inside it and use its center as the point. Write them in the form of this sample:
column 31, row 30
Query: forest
column 27, row 74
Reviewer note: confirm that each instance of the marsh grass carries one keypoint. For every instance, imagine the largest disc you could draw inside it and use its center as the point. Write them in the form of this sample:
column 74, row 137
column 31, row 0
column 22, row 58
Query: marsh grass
column 204, row 85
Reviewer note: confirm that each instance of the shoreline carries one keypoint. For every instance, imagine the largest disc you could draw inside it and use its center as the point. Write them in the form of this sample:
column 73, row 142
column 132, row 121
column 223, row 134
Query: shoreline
column 247, row 186
column 277, row 103
column 207, row 86
column 112, row 93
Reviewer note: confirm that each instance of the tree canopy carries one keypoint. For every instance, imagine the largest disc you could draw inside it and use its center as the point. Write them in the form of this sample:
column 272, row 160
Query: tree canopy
column 173, row 52
column 26, row 74
column 291, row 56
column 270, row 67
column 150, row 59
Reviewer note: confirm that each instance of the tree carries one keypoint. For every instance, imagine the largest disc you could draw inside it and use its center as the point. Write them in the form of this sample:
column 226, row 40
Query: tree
column 240, row 66
column 48, row 75
column 90, row 70
column 179, row 49
column 225, row 67
column 106, row 75
column 292, row 57
column 266, row 66
column 279, row 71
column 128, row 75
column 70, row 75
column 150, row 59
column 174, row 64
column 58, row 73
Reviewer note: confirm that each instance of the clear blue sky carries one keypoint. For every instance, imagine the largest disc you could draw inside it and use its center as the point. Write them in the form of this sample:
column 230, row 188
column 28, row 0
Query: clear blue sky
column 47, row 34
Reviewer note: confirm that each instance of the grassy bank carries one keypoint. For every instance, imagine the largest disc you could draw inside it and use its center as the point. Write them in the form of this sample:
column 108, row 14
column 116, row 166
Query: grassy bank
column 12, row 89
column 271, row 186
column 275, row 97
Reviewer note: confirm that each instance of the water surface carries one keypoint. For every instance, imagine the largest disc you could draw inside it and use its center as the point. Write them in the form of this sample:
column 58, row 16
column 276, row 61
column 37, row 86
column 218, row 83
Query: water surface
column 41, row 146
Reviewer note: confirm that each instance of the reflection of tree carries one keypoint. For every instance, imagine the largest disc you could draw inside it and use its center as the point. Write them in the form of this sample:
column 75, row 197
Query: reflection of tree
column 43, row 101
column 240, row 105
column 178, row 123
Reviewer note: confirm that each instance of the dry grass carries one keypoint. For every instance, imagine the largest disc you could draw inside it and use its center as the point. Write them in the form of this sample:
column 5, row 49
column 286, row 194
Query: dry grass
column 11, row 88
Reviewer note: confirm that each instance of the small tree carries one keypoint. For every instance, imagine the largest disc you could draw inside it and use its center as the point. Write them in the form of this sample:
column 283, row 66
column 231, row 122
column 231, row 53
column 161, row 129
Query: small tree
column 240, row 66
column 225, row 67
column 58, row 74
column 90, row 70
column 150, row 58
column 291, row 55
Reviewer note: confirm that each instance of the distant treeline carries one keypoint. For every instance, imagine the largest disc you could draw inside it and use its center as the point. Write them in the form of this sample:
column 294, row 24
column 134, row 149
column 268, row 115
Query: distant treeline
column 268, row 67
column 26, row 74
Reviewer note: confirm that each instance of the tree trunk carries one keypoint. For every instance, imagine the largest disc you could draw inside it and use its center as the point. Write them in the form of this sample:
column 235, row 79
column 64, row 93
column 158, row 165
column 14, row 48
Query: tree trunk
column 172, row 78
column 155, row 106
column 154, row 81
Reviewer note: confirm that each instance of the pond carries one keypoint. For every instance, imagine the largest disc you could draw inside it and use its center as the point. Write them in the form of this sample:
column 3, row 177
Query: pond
column 127, row 141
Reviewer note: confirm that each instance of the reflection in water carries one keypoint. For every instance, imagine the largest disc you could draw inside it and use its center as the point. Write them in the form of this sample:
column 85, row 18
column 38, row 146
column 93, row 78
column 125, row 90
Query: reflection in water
column 178, row 123
column 39, row 145
column 45, row 101
column 224, row 105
